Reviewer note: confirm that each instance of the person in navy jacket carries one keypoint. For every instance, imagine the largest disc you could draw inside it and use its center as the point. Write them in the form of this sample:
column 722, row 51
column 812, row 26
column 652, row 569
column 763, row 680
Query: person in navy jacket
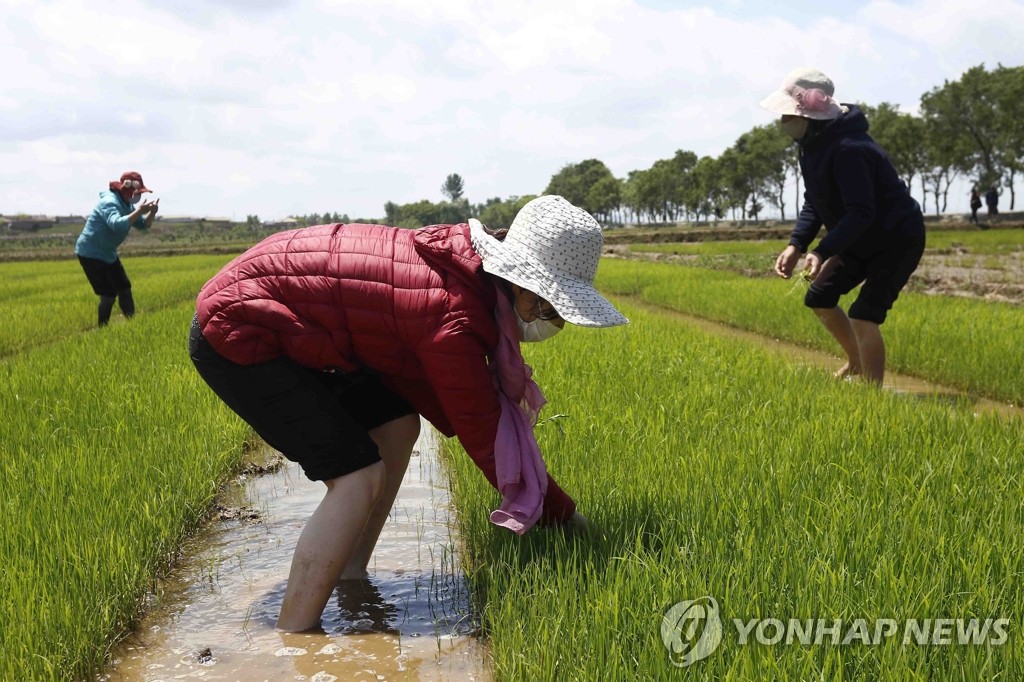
column 874, row 229
column 120, row 208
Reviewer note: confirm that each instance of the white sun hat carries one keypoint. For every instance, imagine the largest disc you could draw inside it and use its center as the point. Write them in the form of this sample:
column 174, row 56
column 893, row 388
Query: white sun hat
column 806, row 92
column 552, row 249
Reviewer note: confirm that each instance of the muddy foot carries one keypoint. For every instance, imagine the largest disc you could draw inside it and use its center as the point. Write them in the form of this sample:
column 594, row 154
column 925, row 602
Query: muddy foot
column 847, row 372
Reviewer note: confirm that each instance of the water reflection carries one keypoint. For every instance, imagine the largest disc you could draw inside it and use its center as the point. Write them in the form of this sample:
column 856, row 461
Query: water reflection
column 410, row 619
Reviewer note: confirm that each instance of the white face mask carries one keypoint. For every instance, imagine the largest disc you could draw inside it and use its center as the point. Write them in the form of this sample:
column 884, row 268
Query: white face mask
column 136, row 199
column 538, row 330
column 795, row 127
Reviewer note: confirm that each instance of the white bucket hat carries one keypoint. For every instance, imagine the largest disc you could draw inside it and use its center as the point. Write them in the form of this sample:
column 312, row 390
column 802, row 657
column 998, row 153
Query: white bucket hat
column 552, row 249
column 805, row 92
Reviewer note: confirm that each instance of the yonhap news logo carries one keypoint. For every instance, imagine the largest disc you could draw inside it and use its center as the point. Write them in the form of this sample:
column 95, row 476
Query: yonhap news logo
column 692, row 630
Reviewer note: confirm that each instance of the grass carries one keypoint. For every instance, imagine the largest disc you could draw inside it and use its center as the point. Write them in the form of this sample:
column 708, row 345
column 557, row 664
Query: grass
column 713, row 468
column 111, row 451
column 969, row 344
column 984, row 242
column 987, row 248
column 52, row 300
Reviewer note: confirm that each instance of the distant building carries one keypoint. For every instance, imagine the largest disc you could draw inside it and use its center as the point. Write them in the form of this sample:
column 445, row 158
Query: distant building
column 177, row 219
column 194, row 220
column 282, row 224
column 27, row 223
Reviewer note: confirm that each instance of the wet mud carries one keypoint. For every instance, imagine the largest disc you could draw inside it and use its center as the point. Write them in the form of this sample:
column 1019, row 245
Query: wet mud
column 411, row 619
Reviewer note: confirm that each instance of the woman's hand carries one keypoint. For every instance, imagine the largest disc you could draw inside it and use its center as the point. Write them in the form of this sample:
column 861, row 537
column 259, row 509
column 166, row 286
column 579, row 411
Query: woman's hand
column 786, row 261
column 580, row 524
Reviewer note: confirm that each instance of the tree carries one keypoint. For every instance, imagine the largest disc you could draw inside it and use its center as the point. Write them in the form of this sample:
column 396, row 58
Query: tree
column 575, row 181
column 967, row 111
column 604, row 197
column 1009, row 87
column 904, row 139
column 768, row 159
column 733, row 176
column 498, row 214
column 453, row 187
column 704, row 195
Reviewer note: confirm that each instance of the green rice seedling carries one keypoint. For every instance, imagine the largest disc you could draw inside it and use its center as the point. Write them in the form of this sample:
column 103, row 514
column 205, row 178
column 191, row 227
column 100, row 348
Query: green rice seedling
column 800, row 282
column 715, row 248
column 989, row 242
column 48, row 301
column 717, row 469
column 964, row 343
column 111, row 451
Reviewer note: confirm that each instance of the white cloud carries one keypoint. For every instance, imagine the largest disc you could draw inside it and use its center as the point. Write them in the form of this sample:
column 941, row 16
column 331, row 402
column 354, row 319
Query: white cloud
column 343, row 105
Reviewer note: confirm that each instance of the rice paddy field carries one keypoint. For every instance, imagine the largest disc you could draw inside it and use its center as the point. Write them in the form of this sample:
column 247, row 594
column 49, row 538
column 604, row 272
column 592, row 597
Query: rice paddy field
column 710, row 468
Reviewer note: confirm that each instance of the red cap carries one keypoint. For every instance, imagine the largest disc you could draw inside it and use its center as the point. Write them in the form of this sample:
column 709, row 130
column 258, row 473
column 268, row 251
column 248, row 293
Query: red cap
column 130, row 180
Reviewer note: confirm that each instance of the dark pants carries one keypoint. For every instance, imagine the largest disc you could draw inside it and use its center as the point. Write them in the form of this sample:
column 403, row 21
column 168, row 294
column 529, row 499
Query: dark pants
column 110, row 282
column 319, row 419
column 884, row 273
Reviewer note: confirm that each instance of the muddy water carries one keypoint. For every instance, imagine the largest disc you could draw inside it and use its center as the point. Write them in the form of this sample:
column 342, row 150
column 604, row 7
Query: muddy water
column 912, row 387
column 411, row 619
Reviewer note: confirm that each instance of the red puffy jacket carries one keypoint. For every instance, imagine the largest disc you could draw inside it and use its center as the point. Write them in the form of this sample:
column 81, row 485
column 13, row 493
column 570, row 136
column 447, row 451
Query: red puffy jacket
column 414, row 306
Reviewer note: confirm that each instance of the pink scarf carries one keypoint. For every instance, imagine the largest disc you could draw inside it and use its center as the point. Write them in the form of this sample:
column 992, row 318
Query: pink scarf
column 522, row 477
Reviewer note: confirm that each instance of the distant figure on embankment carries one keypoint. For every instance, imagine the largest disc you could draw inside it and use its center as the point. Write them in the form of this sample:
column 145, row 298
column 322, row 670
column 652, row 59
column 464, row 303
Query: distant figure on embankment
column 119, row 209
column 875, row 231
column 975, row 204
column 992, row 201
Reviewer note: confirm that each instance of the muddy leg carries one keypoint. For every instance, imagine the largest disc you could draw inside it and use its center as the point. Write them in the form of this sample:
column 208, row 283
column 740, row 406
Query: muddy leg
column 326, row 545
column 838, row 325
column 395, row 441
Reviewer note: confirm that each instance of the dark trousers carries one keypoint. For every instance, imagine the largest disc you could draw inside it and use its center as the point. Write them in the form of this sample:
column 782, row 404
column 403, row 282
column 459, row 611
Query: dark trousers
column 110, row 282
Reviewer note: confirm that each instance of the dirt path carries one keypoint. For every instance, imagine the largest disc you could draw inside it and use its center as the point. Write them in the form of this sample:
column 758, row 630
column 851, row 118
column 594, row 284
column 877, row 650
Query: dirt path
column 801, row 355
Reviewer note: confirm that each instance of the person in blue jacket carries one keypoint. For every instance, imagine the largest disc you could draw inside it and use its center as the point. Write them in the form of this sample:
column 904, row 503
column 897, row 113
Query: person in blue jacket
column 875, row 229
column 119, row 208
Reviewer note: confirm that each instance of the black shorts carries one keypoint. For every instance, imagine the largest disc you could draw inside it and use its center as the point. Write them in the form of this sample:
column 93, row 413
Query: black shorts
column 107, row 279
column 884, row 274
column 319, row 419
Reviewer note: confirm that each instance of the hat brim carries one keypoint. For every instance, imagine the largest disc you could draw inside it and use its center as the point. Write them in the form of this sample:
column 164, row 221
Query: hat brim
column 782, row 103
column 576, row 301
column 140, row 190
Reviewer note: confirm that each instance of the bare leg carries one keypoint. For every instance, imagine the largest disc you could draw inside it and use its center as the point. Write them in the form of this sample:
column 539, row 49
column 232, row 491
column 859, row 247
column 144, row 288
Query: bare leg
column 395, row 441
column 872, row 349
column 326, row 544
column 838, row 324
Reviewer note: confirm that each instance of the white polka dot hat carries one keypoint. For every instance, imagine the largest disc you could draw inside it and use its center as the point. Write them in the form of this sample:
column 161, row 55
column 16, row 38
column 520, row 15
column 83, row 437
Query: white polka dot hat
column 552, row 249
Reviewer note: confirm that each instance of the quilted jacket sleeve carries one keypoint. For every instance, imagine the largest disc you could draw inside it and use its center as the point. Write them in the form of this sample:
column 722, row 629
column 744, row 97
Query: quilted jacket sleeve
column 456, row 367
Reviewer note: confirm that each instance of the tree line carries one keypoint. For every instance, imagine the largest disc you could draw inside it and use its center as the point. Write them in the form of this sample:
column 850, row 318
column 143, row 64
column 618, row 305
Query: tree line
column 971, row 128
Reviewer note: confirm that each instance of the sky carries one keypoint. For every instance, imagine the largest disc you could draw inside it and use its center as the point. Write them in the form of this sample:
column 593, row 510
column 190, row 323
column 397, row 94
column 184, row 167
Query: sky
column 284, row 107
